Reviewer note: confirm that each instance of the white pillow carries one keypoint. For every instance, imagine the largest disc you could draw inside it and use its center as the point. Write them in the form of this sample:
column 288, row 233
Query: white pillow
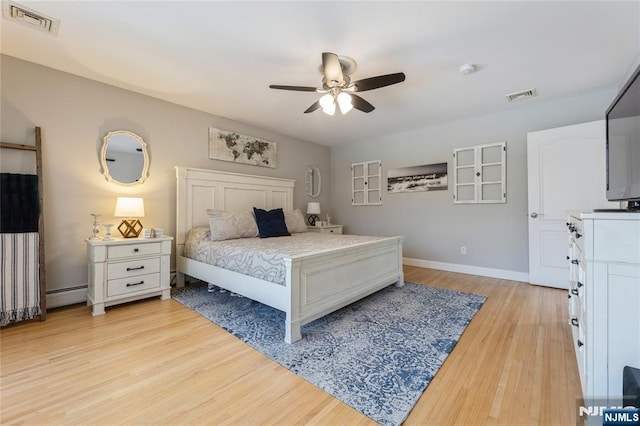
column 231, row 225
column 295, row 221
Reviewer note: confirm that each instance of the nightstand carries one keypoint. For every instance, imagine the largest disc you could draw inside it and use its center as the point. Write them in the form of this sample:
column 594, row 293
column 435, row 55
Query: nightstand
column 327, row 229
column 127, row 269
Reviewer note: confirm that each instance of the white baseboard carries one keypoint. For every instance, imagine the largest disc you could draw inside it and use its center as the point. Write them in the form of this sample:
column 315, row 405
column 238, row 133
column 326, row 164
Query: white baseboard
column 468, row 269
column 67, row 297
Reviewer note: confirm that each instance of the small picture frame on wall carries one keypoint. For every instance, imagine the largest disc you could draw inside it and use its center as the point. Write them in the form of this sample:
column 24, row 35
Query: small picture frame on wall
column 428, row 177
column 231, row 146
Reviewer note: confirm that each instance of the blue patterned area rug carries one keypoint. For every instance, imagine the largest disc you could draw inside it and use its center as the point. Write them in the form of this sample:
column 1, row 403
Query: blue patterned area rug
column 377, row 355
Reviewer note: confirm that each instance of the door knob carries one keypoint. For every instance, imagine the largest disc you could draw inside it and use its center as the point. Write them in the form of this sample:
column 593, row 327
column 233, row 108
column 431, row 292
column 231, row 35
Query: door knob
column 534, row 215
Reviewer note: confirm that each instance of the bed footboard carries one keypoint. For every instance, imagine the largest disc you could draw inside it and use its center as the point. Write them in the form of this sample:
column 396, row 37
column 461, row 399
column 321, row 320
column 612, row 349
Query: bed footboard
column 323, row 283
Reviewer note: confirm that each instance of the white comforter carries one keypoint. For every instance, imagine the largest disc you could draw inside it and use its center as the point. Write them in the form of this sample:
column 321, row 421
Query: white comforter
column 263, row 257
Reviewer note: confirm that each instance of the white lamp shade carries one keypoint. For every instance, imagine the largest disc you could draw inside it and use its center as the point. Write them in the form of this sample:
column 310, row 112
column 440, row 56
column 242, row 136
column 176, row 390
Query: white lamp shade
column 327, row 102
column 344, row 102
column 313, row 208
column 129, row 207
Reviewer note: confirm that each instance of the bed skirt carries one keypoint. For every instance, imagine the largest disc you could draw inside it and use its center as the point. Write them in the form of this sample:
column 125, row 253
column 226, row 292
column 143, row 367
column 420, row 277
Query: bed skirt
column 19, row 272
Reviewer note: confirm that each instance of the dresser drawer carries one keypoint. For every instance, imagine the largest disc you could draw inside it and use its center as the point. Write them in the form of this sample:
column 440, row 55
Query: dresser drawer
column 133, row 267
column 132, row 250
column 135, row 284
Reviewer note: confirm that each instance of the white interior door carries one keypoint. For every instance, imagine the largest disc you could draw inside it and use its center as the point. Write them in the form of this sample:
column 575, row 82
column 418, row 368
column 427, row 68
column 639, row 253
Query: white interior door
column 566, row 172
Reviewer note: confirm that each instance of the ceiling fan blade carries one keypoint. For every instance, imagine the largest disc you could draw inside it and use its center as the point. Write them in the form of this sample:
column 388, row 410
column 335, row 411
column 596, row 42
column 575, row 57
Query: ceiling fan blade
column 313, row 107
column 331, row 68
column 379, row 81
column 297, row 88
column 360, row 104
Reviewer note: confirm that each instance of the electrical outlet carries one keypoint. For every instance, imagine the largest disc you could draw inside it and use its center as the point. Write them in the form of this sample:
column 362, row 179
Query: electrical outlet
column 463, row 250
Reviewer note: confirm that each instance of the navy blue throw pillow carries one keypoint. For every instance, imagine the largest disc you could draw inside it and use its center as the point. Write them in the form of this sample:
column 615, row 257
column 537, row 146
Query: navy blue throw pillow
column 271, row 223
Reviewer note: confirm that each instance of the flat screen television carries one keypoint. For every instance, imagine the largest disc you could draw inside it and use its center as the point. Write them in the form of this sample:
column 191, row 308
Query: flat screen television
column 623, row 144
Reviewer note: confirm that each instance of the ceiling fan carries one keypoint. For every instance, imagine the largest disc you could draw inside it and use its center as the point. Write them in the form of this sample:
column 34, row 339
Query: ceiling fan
column 338, row 88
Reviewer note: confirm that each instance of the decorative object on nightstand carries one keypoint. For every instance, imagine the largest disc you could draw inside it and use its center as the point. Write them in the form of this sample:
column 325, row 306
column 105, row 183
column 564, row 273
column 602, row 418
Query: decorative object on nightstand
column 96, row 226
column 313, row 210
column 328, row 219
column 326, row 229
column 130, row 208
column 107, row 232
column 125, row 269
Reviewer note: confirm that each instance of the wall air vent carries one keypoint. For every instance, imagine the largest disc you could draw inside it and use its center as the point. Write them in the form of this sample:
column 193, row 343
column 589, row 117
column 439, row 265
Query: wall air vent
column 511, row 97
column 23, row 15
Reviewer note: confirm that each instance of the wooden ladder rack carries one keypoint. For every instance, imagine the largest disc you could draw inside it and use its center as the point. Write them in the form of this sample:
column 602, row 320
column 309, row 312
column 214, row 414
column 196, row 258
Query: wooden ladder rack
column 37, row 148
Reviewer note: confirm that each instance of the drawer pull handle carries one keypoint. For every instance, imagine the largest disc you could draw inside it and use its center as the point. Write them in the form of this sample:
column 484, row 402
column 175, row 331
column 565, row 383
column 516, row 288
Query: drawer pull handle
column 134, row 284
column 580, row 344
column 575, row 261
column 580, row 284
column 574, row 322
column 574, row 291
column 135, row 269
column 135, row 250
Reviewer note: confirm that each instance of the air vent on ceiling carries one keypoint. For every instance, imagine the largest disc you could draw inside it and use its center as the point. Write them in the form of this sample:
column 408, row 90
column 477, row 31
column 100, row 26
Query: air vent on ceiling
column 521, row 95
column 29, row 17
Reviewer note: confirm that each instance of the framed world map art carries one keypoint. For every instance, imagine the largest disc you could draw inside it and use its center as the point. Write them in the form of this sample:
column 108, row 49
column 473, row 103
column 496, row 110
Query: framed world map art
column 231, row 146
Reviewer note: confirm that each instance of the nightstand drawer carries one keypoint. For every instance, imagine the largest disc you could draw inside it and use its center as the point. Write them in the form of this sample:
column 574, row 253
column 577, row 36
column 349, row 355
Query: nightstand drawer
column 133, row 268
column 130, row 250
column 327, row 229
column 132, row 284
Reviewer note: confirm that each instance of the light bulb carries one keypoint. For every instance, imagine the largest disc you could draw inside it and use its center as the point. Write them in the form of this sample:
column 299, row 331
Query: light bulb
column 326, row 101
column 329, row 109
column 344, row 101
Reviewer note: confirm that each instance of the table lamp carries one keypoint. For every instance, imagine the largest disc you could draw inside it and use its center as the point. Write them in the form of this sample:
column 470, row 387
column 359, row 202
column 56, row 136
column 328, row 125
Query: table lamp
column 131, row 209
column 313, row 210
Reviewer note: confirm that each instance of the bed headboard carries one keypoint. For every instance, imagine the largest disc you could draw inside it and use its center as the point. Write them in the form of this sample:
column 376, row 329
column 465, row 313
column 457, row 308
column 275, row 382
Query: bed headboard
column 201, row 189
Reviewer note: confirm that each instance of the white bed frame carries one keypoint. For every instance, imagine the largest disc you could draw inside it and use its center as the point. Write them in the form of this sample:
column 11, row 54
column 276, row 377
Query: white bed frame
column 316, row 284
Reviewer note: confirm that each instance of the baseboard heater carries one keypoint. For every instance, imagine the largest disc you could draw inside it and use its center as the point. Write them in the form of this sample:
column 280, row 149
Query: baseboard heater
column 73, row 295
column 66, row 296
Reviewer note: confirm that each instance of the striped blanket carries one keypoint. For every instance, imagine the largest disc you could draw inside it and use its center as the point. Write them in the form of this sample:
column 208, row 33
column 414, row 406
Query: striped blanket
column 19, row 277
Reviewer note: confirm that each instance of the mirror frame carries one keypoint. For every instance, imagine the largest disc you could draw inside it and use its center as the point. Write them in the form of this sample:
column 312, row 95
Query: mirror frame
column 308, row 182
column 103, row 157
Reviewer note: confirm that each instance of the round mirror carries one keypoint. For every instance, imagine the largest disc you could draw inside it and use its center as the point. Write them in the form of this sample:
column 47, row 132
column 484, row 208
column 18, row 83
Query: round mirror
column 124, row 158
column 313, row 182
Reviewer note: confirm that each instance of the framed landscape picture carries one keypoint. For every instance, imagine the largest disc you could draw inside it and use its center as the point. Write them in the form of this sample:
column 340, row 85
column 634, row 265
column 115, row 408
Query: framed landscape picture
column 430, row 177
column 231, row 146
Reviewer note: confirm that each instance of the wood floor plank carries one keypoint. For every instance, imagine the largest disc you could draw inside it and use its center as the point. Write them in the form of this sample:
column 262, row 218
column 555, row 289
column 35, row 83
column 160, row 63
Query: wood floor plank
column 157, row 362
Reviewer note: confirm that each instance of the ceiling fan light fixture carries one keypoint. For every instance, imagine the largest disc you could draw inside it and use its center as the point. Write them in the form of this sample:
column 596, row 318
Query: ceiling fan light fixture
column 344, row 102
column 339, row 90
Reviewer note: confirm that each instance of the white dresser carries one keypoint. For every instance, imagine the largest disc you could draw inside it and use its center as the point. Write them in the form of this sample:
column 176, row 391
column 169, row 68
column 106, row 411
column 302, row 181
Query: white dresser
column 127, row 269
column 604, row 299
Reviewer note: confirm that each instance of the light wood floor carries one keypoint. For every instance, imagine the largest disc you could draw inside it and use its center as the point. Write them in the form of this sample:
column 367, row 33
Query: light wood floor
column 157, row 362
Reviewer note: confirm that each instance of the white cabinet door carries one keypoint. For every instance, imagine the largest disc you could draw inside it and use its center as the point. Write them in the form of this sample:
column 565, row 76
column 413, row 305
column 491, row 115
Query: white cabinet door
column 566, row 172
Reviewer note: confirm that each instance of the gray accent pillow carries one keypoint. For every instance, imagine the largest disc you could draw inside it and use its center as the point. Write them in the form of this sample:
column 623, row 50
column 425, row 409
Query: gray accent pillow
column 231, row 225
column 295, row 221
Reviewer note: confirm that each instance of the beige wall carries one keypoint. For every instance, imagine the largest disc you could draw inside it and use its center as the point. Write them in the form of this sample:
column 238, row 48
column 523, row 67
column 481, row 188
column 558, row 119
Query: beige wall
column 75, row 113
